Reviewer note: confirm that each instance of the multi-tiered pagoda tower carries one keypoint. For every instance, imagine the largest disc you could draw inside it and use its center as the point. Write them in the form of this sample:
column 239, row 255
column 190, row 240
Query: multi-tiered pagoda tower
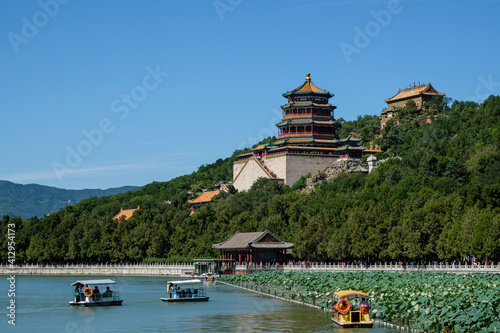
column 306, row 141
column 307, row 117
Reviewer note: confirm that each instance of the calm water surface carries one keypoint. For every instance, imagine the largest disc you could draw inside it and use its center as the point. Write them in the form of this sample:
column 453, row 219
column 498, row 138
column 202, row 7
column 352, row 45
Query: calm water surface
column 42, row 306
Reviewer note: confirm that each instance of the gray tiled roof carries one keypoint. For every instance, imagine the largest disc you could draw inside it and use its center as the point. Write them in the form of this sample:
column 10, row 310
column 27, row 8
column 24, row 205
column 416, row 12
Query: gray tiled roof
column 248, row 240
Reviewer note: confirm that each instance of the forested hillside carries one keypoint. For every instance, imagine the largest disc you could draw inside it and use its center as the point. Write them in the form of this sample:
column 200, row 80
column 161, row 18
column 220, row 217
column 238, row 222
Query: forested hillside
column 439, row 200
column 38, row 200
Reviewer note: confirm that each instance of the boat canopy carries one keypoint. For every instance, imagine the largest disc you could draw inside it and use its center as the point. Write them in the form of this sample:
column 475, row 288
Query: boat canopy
column 185, row 281
column 349, row 293
column 94, row 282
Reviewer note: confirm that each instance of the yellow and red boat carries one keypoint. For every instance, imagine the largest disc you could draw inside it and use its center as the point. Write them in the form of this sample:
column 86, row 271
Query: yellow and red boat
column 352, row 309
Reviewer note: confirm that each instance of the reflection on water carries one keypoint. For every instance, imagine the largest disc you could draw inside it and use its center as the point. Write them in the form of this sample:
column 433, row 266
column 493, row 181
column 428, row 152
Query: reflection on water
column 42, row 306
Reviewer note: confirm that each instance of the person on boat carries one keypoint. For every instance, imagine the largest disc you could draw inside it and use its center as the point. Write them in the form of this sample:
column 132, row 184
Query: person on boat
column 108, row 292
column 96, row 294
column 78, row 292
column 364, row 306
column 78, row 288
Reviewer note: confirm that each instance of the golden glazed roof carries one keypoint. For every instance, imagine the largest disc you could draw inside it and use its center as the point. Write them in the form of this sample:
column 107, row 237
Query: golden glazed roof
column 308, row 88
column 204, row 197
column 127, row 213
column 413, row 91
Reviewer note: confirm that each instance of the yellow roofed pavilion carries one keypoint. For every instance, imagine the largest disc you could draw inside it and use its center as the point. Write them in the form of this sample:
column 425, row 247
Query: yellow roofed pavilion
column 420, row 94
column 125, row 213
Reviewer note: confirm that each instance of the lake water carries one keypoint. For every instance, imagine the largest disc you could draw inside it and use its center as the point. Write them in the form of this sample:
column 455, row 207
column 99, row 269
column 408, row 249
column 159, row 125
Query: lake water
column 42, row 306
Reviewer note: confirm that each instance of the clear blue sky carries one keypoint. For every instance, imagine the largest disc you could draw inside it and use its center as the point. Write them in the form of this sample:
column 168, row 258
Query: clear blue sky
column 99, row 94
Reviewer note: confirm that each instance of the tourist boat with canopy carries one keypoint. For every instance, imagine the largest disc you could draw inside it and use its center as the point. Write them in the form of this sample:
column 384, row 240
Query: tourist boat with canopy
column 85, row 296
column 177, row 294
column 352, row 309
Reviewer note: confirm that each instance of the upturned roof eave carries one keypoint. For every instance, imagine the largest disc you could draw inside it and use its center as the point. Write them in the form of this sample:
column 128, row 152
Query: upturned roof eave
column 321, row 93
column 305, row 105
column 226, row 245
column 424, row 91
column 312, row 89
column 280, row 245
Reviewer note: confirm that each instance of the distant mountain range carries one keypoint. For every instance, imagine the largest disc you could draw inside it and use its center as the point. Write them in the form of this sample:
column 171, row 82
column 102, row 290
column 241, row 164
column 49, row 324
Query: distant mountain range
column 37, row 200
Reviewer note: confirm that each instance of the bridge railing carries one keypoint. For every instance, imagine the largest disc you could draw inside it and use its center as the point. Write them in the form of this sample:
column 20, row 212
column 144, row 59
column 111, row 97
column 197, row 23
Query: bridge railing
column 327, row 267
column 102, row 265
column 364, row 267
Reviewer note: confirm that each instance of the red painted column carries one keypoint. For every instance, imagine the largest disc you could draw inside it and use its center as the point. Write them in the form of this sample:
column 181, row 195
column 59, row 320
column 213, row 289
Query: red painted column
column 239, row 258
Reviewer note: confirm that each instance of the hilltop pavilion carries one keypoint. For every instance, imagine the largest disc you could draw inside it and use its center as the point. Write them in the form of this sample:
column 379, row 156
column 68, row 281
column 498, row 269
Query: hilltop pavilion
column 125, row 214
column 203, row 199
column 420, row 94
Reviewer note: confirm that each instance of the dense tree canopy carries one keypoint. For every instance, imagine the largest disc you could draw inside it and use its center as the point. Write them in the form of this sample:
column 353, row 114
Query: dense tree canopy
column 439, row 199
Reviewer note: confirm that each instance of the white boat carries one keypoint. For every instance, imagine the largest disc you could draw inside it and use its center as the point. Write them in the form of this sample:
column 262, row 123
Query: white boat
column 197, row 276
column 209, row 279
column 85, row 296
column 177, row 294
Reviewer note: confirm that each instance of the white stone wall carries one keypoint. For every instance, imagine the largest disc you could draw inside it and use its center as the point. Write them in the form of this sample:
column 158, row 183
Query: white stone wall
column 237, row 166
column 250, row 172
column 276, row 164
column 82, row 270
column 300, row 165
column 289, row 167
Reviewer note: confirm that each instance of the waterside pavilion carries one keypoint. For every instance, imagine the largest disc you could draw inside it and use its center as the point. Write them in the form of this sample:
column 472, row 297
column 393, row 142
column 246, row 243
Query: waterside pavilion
column 254, row 247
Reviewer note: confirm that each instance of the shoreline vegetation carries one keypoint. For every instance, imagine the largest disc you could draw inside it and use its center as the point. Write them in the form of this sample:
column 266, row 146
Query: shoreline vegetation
column 439, row 200
column 422, row 301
